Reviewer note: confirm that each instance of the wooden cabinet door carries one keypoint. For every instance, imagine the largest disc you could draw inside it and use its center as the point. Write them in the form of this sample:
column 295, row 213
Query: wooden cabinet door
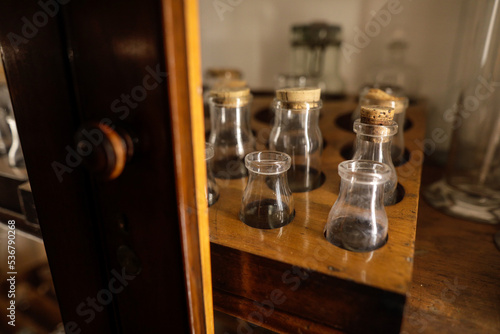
column 128, row 255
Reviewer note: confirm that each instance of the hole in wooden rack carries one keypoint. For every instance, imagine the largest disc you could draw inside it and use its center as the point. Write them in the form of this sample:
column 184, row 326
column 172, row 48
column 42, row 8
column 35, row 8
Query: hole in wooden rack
column 404, row 159
column 347, row 151
column 344, row 121
column 408, row 124
column 265, row 115
column 400, row 193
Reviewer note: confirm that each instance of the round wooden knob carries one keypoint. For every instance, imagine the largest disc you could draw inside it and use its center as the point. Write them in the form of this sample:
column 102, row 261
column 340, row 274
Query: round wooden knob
column 105, row 149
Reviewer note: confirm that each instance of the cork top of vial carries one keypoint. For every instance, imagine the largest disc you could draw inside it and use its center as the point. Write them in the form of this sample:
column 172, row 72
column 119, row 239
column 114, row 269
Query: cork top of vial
column 302, row 94
column 377, row 115
column 227, row 73
column 231, row 96
column 378, row 94
column 230, row 84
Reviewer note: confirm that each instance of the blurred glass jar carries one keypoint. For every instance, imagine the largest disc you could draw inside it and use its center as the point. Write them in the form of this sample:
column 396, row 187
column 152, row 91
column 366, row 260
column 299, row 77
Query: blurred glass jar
column 395, row 71
column 212, row 189
column 230, row 134
column 470, row 188
column 358, row 221
column 296, row 132
column 316, row 54
column 214, row 75
column 374, row 96
column 267, row 200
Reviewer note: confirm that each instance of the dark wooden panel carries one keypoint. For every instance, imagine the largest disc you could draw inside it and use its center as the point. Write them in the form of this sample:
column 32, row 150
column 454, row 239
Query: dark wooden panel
column 330, row 301
column 46, row 115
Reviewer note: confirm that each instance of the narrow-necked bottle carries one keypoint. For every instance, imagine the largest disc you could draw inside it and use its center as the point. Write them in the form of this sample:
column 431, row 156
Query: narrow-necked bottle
column 230, row 133
column 296, row 132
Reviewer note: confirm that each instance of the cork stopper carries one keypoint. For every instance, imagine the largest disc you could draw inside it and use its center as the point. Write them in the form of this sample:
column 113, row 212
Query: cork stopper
column 230, row 84
column 224, row 73
column 231, row 96
column 306, row 94
column 378, row 94
column 377, row 115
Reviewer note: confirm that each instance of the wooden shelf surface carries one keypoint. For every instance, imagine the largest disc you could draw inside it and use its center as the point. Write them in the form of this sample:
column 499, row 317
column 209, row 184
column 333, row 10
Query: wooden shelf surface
column 302, row 244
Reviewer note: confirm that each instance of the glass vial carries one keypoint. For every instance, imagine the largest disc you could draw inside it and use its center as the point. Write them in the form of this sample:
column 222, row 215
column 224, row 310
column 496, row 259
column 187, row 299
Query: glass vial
column 230, row 132
column 358, row 221
column 211, row 190
column 374, row 133
column 296, row 132
column 375, row 96
column 267, row 200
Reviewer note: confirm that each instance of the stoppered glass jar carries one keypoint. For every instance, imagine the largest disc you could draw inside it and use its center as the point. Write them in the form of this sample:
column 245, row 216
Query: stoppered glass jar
column 374, row 132
column 267, row 200
column 358, row 221
column 296, row 132
column 375, row 96
column 230, row 132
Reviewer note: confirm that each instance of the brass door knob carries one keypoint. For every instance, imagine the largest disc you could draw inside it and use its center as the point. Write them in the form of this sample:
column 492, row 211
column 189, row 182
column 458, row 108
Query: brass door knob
column 105, row 149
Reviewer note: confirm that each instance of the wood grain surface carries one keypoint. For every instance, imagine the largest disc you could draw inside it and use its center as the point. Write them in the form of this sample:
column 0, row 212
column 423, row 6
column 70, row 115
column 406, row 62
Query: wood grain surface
column 301, row 244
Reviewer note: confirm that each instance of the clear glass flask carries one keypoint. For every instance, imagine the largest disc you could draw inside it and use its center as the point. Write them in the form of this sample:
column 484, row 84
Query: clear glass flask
column 375, row 96
column 212, row 189
column 358, row 221
column 373, row 142
column 296, row 132
column 230, row 132
column 267, row 200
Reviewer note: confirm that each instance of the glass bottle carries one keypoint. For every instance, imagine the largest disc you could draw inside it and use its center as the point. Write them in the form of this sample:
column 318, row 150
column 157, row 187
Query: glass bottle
column 296, row 132
column 470, row 187
column 316, row 54
column 395, row 71
column 212, row 189
column 267, row 200
column 358, row 221
column 374, row 133
column 230, row 132
column 375, row 96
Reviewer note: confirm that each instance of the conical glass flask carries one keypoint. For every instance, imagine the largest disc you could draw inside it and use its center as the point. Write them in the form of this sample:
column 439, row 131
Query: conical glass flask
column 267, row 200
column 358, row 221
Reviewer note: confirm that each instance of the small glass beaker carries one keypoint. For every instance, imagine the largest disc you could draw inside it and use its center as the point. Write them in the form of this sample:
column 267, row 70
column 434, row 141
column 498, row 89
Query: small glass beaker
column 296, row 132
column 230, row 131
column 373, row 142
column 374, row 96
column 358, row 221
column 212, row 189
column 267, row 200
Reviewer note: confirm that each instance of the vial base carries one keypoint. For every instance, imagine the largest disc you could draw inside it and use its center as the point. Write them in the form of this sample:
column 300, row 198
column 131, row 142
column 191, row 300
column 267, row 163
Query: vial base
column 266, row 214
column 355, row 234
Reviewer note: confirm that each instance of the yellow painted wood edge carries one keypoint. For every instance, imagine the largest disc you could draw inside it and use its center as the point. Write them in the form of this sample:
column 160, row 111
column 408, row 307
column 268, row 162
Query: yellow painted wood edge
column 198, row 138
